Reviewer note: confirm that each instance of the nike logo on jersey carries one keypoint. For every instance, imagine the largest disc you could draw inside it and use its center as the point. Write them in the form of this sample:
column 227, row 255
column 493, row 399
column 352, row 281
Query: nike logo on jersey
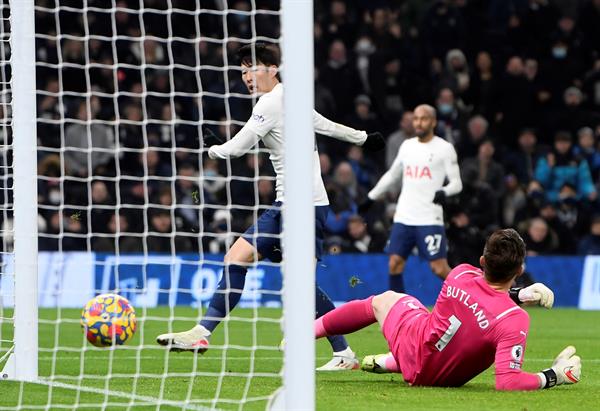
column 417, row 172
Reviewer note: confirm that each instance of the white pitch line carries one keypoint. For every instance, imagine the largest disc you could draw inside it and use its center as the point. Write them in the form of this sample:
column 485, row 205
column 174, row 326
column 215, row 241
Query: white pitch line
column 129, row 396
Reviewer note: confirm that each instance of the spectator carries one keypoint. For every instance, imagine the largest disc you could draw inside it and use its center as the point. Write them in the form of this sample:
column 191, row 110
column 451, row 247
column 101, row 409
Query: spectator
column 477, row 129
column 364, row 49
column 539, row 238
column 487, row 169
column 343, row 193
column 514, row 102
column 523, row 160
column 590, row 244
column 213, row 182
column 387, row 85
column 363, row 169
column 395, row 140
column 457, row 76
column 102, row 206
column 162, row 236
column 451, row 118
column 484, row 86
column 586, row 148
column 342, row 78
column 572, row 115
column 359, row 239
column 572, row 212
column 443, row 28
column 561, row 166
column 591, row 86
column 477, row 205
column 219, row 235
column 117, row 230
column 363, row 118
column 84, row 136
column 513, row 202
column 567, row 240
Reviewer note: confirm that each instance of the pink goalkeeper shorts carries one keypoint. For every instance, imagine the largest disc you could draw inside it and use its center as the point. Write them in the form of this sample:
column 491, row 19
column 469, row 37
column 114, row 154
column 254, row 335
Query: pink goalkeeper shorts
column 402, row 329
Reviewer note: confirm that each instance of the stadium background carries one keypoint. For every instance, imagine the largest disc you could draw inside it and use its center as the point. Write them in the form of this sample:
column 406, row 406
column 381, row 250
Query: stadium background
column 516, row 85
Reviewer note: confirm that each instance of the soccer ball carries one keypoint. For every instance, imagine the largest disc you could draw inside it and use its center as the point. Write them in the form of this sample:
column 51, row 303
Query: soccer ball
column 108, row 319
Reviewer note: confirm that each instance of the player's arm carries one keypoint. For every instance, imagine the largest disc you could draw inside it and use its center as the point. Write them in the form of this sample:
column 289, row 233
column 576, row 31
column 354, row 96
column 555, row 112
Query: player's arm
column 535, row 294
column 390, row 180
column 454, row 185
column 326, row 127
column 510, row 351
column 265, row 116
column 239, row 145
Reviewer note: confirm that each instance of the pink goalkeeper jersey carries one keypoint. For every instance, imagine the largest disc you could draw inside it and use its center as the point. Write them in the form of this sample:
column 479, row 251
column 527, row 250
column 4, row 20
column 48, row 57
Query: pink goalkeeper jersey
column 471, row 327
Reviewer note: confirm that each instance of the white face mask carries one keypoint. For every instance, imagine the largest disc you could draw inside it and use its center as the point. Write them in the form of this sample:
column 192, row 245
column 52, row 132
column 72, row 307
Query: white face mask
column 559, row 52
column 54, row 196
column 364, row 47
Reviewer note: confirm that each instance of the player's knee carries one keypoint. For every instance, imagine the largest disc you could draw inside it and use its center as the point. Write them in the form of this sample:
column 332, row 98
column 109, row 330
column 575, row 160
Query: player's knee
column 241, row 252
column 385, row 300
column 396, row 264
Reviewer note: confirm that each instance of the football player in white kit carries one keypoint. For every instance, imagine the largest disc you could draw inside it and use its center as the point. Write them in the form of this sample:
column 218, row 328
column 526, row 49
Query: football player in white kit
column 422, row 165
column 260, row 65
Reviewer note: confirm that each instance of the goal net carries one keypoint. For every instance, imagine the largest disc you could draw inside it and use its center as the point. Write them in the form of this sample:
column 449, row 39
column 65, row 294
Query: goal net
column 129, row 203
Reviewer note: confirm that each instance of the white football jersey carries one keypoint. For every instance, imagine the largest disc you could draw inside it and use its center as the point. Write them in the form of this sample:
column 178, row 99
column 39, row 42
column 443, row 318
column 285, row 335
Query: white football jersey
column 422, row 168
column 266, row 124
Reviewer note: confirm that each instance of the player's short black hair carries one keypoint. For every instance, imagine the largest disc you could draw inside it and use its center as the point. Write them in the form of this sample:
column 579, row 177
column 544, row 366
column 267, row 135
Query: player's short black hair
column 504, row 255
column 267, row 54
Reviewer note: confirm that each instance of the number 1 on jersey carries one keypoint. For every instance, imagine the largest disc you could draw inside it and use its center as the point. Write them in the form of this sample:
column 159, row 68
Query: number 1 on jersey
column 455, row 324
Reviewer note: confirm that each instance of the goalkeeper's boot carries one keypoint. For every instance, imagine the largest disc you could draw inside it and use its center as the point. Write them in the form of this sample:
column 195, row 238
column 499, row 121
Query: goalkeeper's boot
column 341, row 361
column 375, row 363
column 195, row 340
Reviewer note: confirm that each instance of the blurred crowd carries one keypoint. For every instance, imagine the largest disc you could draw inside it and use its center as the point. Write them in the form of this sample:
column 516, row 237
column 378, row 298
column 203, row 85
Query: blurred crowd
column 516, row 85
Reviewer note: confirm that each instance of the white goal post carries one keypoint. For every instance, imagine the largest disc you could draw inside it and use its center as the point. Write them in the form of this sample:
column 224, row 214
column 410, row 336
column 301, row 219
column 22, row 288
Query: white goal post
column 299, row 233
column 23, row 362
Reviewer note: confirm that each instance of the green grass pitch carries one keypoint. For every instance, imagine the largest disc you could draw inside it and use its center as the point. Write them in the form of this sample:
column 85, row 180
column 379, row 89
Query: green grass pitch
column 197, row 378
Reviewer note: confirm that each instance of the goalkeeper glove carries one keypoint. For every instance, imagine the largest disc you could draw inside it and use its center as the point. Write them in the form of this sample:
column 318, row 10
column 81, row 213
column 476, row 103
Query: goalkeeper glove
column 537, row 293
column 439, row 197
column 566, row 369
column 374, row 142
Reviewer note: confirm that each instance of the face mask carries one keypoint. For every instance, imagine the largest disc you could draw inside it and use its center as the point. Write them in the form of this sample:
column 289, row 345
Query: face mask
column 536, row 195
column 559, row 52
column 569, row 201
column 445, row 108
column 364, row 47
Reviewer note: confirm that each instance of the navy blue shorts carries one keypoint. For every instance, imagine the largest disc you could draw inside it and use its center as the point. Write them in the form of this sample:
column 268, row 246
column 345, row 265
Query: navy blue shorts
column 429, row 239
column 265, row 235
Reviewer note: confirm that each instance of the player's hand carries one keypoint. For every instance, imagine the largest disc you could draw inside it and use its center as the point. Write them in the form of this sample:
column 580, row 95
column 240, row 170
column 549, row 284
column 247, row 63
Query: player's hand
column 439, row 197
column 374, row 142
column 567, row 366
column 537, row 293
column 365, row 206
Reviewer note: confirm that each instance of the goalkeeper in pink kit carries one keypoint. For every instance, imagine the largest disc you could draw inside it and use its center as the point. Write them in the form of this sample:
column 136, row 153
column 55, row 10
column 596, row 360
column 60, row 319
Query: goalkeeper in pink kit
column 475, row 323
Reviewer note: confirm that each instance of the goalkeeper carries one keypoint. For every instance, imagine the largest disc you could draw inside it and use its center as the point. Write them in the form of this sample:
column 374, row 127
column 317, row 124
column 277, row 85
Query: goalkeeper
column 261, row 240
column 474, row 324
